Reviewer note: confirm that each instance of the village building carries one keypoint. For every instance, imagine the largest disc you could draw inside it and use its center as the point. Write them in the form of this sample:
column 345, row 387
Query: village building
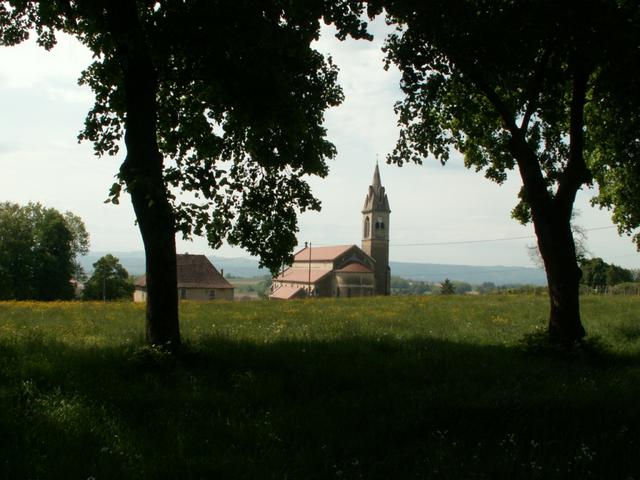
column 344, row 270
column 198, row 279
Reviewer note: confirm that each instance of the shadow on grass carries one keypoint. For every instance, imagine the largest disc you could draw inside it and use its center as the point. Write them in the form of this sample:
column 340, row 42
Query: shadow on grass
column 351, row 408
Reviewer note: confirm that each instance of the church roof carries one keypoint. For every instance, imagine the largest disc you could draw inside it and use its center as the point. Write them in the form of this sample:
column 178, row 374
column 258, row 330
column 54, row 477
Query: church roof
column 302, row 275
column 321, row 253
column 355, row 267
column 376, row 197
column 285, row 292
column 194, row 271
column 376, row 183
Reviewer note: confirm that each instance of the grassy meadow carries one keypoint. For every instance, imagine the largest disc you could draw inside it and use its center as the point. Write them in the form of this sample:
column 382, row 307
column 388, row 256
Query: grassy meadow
column 401, row 387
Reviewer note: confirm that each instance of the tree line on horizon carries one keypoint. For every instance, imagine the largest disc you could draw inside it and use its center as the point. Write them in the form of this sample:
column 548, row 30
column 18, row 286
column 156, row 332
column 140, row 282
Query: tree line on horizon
column 234, row 114
column 39, row 258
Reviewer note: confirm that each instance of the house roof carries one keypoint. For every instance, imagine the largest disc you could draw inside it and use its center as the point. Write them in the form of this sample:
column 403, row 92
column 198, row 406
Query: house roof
column 194, row 271
column 355, row 267
column 321, row 253
column 285, row 292
column 302, row 275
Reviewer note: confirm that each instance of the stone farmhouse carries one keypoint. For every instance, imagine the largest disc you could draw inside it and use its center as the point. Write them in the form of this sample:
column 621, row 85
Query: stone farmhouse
column 198, row 279
column 344, row 270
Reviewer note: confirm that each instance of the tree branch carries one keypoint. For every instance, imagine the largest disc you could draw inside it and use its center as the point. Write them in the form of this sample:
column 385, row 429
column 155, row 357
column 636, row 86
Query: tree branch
column 576, row 173
column 528, row 164
column 534, row 89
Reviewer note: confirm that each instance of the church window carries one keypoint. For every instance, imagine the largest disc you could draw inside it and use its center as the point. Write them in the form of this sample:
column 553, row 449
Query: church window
column 367, row 227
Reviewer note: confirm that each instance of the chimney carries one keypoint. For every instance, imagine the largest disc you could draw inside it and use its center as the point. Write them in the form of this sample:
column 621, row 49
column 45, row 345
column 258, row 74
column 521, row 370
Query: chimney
column 222, row 272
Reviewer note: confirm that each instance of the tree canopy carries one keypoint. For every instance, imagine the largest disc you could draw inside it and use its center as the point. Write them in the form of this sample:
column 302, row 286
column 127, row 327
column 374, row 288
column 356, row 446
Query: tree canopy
column 39, row 249
column 544, row 87
column 447, row 288
column 222, row 100
column 598, row 274
column 109, row 281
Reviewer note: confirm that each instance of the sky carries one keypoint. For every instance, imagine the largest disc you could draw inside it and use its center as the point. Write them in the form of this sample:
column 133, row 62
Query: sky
column 440, row 214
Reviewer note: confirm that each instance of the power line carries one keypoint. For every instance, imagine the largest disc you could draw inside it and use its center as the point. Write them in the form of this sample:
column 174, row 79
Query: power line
column 462, row 242
column 487, row 240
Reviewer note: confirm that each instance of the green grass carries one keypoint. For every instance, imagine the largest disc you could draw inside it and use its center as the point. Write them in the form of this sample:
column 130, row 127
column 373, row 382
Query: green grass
column 406, row 387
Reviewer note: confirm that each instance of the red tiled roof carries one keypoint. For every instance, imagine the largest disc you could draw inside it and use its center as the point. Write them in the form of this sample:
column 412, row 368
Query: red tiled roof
column 321, row 253
column 194, row 271
column 285, row 293
column 355, row 267
column 301, row 275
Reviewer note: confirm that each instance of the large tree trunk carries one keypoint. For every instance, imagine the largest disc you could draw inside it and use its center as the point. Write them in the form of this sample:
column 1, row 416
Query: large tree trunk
column 557, row 248
column 142, row 172
column 551, row 214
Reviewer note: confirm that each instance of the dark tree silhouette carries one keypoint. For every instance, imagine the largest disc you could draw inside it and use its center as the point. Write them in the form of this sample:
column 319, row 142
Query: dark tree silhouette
column 221, row 99
column 39, row 247
column 109, row 281
column 447, row 288
column 547, row 87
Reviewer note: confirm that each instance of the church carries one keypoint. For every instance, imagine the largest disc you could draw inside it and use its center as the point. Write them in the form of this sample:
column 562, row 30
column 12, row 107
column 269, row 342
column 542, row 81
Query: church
column 344, row 270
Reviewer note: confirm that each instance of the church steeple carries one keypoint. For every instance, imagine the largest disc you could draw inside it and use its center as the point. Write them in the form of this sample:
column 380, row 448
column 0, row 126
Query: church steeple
column 376, row 178
column 376, row 198
column 375, row 231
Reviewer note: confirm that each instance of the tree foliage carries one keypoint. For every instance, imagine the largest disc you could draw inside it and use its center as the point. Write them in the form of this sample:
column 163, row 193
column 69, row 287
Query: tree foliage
column 546, row 87
column 109, row 281
column 39, row 249
column 221, row 100
column 598, row 274
column 447, row 288
column 241, row 100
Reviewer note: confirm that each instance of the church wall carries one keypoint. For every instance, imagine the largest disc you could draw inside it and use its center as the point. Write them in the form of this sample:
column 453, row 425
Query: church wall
column 353, row 284
column 324, row 287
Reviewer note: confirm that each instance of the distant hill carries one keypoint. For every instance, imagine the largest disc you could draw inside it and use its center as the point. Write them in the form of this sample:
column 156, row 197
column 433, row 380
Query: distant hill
column 498, row 274
column 430, row 272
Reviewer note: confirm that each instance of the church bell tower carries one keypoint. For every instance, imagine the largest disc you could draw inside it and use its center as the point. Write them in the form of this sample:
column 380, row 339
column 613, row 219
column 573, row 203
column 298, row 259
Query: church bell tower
column 375, row 232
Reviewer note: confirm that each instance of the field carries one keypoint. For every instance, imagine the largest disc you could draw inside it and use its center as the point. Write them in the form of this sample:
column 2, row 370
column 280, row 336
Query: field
column 405, row 387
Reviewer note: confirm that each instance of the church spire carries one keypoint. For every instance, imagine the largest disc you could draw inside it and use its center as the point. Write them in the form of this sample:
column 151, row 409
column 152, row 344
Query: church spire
column 376, row 198
column 375, row 232
column 376, row 183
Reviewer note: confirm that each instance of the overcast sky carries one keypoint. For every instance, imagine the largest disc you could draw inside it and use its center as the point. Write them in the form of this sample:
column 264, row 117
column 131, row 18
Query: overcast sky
column 42, row 109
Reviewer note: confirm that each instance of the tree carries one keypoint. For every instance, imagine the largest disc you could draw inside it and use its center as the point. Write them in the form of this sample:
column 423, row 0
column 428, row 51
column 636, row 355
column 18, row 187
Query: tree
column 486, row 287
column 617, row 275
column 221, row 99
column 38, row 252
column 461, row 287
column 579, row 240
column 109, row 281
column 594, row 273
column 598, row 274
column 447, row 288
column 547, row 87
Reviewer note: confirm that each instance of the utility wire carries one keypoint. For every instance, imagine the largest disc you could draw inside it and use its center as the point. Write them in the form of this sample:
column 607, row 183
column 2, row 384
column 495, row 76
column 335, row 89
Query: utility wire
column 462, row 242
column 488, row 240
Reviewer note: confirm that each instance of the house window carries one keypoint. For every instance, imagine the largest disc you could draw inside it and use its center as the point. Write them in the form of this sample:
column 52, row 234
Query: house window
column 183, row 293
column 212, row 294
